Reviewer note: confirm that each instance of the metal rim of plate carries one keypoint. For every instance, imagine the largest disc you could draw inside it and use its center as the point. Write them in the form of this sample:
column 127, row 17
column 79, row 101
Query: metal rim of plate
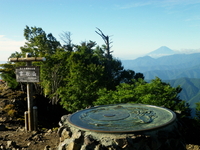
column 122, row 118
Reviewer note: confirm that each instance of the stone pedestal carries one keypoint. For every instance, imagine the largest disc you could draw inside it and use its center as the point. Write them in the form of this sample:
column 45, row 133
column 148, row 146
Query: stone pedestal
column 73, row 137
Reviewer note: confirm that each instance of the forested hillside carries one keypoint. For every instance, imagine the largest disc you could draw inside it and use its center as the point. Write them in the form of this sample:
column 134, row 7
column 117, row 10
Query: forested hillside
column 190, row 89
column 179, row 70
column 190, row 72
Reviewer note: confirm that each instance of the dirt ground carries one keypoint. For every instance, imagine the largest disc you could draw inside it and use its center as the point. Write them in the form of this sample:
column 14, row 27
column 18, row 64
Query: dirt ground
column 16, row 137
column 45, row 139
column 12, row 134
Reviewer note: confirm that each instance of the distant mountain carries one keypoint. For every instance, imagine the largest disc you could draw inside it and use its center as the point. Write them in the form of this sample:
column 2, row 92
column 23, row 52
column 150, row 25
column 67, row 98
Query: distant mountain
column 141, row 61
column 177, row 69
column 162, row 51
column 166, row 67
column 192, row 72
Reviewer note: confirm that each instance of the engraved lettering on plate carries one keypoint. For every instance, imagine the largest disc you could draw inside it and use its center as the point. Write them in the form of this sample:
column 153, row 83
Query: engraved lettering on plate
column 122, row 118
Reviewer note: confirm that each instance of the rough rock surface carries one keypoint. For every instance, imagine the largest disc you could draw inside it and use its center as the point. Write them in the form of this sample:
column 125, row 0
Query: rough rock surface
column 73, row 138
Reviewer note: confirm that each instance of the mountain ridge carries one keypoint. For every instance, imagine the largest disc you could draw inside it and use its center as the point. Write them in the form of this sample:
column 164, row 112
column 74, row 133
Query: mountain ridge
column 162, row 51
column 178, row 70
column 174, row 66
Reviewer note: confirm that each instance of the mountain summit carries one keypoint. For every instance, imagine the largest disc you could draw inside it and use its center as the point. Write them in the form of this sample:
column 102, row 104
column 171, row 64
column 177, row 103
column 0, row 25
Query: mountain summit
column 162, row 51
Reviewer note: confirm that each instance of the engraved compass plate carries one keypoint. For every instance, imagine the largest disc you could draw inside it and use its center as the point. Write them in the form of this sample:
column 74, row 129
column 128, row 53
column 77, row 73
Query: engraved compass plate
column 122, row 118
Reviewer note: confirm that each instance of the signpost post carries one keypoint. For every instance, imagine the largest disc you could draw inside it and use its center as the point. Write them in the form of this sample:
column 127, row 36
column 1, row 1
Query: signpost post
column 28, row 74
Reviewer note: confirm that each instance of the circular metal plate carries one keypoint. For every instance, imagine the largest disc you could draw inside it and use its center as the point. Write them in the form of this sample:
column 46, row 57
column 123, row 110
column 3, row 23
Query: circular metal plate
column 122, row 118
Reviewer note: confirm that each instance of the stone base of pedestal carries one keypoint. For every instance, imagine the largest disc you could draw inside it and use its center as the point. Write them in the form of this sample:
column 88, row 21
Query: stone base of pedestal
column 165, row 138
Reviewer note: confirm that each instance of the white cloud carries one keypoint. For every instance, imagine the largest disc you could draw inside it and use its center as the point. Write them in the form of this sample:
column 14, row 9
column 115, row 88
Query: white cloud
column 159, row 3
column 9, row 46
column 134, row 4
column 195, row 18
column 170, row 4
column 190, row 51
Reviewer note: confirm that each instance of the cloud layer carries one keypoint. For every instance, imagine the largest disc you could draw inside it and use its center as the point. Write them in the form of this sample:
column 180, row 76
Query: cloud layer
column 159, row 3
column 9, row 46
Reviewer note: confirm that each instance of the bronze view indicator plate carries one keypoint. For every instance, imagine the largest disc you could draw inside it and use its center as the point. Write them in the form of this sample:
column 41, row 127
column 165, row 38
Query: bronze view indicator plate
column 122, row 118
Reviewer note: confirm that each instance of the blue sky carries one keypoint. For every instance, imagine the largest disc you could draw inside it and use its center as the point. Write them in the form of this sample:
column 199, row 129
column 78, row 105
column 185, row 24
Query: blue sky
column 136, row 27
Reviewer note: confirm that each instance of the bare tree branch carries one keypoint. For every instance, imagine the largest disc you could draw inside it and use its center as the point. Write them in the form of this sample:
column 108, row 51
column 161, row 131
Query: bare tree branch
column 107, row 42
column 66, row 38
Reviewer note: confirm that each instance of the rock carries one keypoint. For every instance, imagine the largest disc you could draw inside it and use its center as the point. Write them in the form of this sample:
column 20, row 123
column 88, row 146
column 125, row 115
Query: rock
column 88, row 140
column 97, row 147
column 47, row 147
column 77, row 135
column 192, row 147
column 2, row 127
column 59, row 132
column 29, row 144
column 83, row 147
column 20, row 129
column 38, row 137
column 89, row 143
column 5, row 137
column 48, row 132
column 66, row 134
column 74, row 138
column 70, row 144
column 2, row 147
column 73, row 146
column 121, row 142
column 107, row 142
column 2, row 119
column 63, row 119
column 10, row 144
column 34, row 133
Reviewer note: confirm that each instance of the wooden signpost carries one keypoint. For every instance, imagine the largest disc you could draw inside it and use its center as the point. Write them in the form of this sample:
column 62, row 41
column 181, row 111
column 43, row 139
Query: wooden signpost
column 28, row 74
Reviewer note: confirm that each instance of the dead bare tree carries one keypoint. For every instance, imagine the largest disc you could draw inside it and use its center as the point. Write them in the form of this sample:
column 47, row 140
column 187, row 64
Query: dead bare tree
column 107, row 43
column 66, row 38
column 108, row 53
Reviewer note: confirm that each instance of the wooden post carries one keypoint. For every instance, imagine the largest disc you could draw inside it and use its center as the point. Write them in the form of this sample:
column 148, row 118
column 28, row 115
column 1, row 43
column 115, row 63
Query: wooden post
column 30, row 99
column 30, row 121
column 35, row 118
column 26, row 120
column 30, row 105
